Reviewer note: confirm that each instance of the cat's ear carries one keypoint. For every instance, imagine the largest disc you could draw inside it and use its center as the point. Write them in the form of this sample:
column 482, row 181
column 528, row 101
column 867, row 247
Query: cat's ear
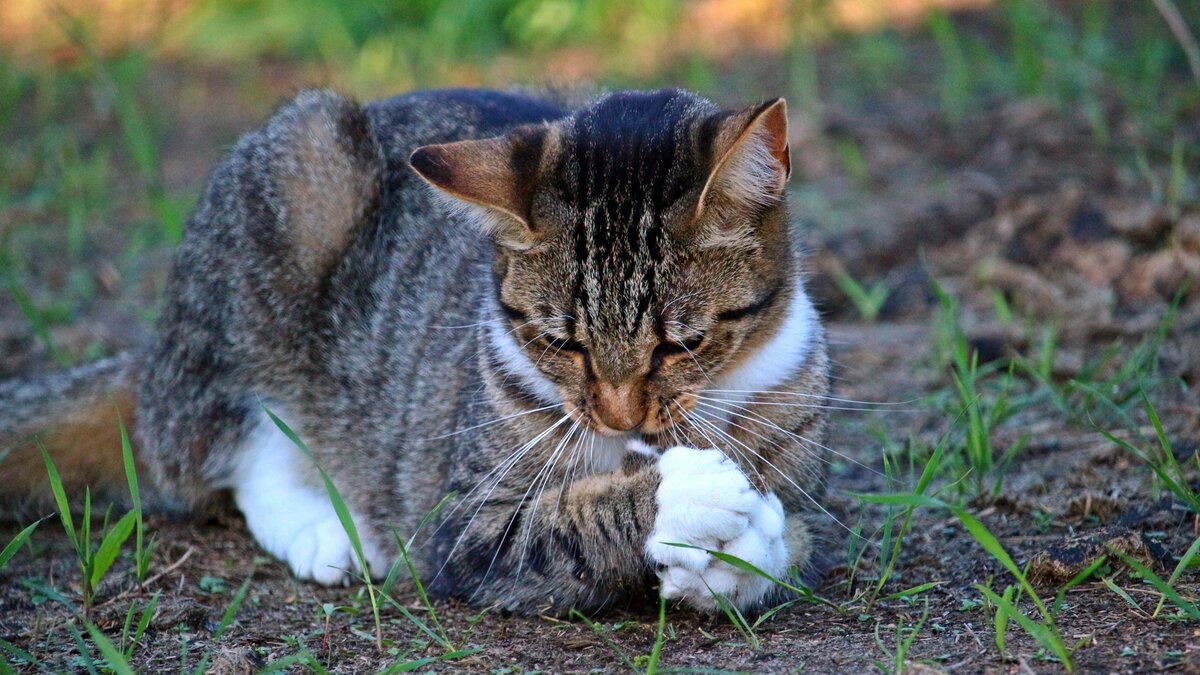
column 492, row 179
column 752, row 160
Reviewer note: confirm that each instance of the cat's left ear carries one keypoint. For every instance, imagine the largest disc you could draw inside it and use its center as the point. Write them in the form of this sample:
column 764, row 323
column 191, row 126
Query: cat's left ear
column 492, row 178
column 752, row 158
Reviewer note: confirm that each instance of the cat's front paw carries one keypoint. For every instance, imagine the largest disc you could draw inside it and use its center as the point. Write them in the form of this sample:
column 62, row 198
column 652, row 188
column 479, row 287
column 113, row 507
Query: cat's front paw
column 295, row 520
column 705, row 500
column 299, row 525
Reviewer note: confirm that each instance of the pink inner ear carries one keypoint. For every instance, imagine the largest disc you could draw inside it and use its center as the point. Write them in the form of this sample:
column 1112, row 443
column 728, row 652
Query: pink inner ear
column 775, row 124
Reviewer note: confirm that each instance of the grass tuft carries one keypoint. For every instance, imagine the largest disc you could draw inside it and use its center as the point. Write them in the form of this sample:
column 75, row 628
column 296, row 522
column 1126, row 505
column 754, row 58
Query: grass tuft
column 343, row 514
column 16, row 543
column 1045, row 632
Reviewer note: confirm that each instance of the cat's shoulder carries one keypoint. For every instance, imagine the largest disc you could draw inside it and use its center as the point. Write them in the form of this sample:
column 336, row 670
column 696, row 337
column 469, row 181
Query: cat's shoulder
column 443, row 115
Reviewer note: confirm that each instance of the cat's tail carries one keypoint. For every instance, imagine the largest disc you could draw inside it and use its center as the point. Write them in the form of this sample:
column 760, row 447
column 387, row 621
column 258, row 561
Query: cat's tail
column 76, row 415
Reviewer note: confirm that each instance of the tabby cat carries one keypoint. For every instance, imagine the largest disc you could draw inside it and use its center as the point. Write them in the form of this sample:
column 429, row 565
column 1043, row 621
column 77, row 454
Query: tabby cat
column 589, row 324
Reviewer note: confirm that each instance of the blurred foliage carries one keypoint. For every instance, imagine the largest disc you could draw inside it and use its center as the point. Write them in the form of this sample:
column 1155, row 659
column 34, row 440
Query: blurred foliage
column 93, row 93
column 465, row 29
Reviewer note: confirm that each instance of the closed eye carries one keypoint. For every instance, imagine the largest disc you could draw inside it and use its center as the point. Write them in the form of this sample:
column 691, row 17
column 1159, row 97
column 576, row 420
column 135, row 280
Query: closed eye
column 562, row 345
column 665, row 349
column 757, row 307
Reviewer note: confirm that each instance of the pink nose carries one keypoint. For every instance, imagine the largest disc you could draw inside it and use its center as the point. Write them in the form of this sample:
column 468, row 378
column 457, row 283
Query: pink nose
column 618, row 407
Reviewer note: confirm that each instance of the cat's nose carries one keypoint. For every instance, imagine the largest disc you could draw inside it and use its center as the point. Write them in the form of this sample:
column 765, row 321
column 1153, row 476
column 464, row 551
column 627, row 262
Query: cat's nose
column 619, row 407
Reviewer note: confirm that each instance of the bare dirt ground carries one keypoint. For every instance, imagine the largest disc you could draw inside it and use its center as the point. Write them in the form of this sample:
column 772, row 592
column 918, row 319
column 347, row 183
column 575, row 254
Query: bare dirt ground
column 1015, row 208
column 1067, row 484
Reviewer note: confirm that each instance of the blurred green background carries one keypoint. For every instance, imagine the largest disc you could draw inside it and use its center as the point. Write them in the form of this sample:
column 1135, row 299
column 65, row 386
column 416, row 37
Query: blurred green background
column 112, row 111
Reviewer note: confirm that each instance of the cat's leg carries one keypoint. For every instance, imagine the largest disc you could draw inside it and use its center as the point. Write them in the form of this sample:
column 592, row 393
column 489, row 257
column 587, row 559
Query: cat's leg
column 245, row 315
column 290, row 513
column 601, row 538
column 530, row 550
column 705, row 501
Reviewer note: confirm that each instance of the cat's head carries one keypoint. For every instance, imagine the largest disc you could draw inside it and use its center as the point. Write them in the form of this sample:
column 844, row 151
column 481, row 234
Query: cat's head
column 642, row 247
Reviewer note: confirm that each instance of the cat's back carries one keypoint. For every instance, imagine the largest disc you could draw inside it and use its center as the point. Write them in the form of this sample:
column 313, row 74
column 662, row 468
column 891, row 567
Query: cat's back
column 405, row 122
column 405, row 261
column 416, row 245
column 415, row 273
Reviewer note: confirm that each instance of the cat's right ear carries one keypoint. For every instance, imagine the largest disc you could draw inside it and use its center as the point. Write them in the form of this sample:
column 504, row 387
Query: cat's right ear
column 752, row 158
column 491, row 179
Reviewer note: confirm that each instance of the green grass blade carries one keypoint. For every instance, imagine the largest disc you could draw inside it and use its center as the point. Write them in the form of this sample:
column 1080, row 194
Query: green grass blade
column 232, row 610
column 599, row 630
column 1121, row 593
column 19, row 654
column 1176, row 487
column 956, row 77
column 736, row 618
column 428, row 518
column 441, row 637
column 1185, row 561
column 766, row 616
column 344, row 517
column 806, row 594
column 116, row 660
column 1001, row 622
column 135, row 494
column 84, row 652
column 421, row 625
column 393, row 575
column 50, row 592
column 110, row 547
column 921, row 588
column 288, row 664
column 1080, row 577
column 659, row 638
column 60, row 497
column 141, row 556
column 907, row 644
column 1163, row 587
column 36, row 321
column 1163, row 440
column 992, row 545
column 143, row 623
column 901, row 499
column 335, row 497
column 740, row 564
column 409, row 666
column 17, row 542
column 127, row 625
column 973, row 525
column 1044, row 634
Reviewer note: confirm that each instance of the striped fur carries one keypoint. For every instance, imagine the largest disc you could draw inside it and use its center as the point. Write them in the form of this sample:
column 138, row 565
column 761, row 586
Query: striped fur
column 560, row 290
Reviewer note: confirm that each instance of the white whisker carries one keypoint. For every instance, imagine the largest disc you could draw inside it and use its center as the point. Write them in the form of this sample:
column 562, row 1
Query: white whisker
column 689, row 352
column 485, row 424
column 759, row 419
column 546, row 469
column 814, row 406
column 781, row 473
column 695, row 420
column 503, row 467
column 800, row 394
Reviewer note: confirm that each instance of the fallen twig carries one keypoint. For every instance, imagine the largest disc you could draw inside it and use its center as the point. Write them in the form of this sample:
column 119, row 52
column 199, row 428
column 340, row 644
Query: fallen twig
column 167, row 570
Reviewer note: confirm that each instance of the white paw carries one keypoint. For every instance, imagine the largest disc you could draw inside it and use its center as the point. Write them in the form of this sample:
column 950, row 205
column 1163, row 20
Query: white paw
column 705, row 500
column 294, row 520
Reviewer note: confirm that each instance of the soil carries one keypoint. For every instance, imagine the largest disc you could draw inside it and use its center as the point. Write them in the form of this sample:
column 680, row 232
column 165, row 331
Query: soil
column 1018, row 207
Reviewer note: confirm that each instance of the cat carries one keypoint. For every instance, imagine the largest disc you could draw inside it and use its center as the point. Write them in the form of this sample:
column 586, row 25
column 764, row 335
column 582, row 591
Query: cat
column 588, row 323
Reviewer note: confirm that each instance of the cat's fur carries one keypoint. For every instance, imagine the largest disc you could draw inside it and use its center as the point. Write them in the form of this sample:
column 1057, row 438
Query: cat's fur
column 528, row 321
